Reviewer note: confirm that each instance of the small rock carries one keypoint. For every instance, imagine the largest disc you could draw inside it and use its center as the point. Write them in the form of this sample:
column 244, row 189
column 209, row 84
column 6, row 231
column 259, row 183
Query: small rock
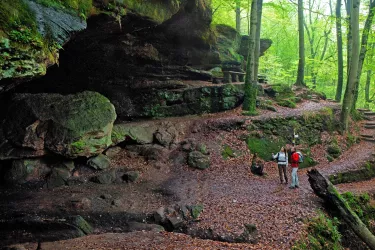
column 131, row 176
column 82, row 204
column 159, row 215
column 106, row 196
column 58, row 177
column 137, row 226
column 105, row 178
column 112, row 152
column 81, row 223
column 99, row 162
column 117, row 203
column 176, row 222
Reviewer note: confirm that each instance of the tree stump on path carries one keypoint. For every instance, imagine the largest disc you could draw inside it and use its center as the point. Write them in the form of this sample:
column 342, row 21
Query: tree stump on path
column 325, row 190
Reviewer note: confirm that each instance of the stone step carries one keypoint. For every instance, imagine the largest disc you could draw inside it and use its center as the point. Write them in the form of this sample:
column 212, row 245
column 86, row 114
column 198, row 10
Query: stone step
column 369, row 113
column 367, row 136
column 363, row 110
column 369, row 118
column 370, row 123
column 370, row 126
column 368, row 139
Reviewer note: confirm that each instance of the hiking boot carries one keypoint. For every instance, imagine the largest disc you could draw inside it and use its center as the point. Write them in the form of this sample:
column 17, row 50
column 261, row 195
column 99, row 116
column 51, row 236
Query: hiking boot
column 291, row 187
column 297, row 186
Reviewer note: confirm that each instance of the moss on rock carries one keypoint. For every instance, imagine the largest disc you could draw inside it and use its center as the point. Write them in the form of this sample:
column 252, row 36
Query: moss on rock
column 72, row 125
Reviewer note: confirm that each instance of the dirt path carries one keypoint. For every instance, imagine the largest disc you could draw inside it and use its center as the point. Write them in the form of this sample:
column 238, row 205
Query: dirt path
column 232, row 196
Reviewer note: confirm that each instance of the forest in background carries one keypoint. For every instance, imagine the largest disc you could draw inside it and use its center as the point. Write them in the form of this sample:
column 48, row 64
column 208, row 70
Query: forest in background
column 280, row 24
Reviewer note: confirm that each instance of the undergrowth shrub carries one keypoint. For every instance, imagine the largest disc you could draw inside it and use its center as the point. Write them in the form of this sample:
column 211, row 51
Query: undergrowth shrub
column 323, row 234
column 361, row 205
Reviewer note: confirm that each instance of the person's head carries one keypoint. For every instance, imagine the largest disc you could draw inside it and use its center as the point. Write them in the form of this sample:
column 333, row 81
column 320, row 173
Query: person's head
column 293, row 149
column 282, row 149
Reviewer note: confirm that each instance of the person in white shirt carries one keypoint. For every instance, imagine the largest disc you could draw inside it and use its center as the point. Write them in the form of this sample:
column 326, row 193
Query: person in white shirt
column 282, row 163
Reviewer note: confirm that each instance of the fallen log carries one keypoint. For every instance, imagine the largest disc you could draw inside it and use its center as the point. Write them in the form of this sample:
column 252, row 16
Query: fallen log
column 325, row 190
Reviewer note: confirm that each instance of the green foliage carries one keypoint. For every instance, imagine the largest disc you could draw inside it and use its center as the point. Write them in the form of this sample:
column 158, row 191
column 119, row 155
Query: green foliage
column 308, row 161
column 264, row 147
column 351, row 139
column 15, row 12
column 81, row 7
column 361, row 205
column 24, row 35
column 228, row 152
column 356, row 115
column 203, row 148
column 323, row 234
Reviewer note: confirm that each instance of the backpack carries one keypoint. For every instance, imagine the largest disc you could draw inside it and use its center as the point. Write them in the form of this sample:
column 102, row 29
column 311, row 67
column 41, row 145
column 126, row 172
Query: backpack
column 281, row 159
column 300, row 158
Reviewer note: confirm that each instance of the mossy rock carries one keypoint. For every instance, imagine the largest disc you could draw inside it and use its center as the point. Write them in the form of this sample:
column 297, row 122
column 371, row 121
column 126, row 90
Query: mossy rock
column 367, row 172
column 287, row 103
column 198, row 160
column 99, row 162
column 72, row 126
column 142, row 134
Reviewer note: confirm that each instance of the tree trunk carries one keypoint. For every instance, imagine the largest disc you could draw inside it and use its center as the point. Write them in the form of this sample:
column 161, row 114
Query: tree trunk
column 352, row 78
column 238, row 16
column 257, row 39
column 301, row 46
column 349, row 39
column 367, row 88
column 362, row 54
column 325, row 190
column 340, row 59
column 249, row 103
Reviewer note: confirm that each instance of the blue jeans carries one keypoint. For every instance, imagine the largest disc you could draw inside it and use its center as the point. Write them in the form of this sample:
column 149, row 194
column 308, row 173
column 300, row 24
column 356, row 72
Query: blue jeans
column 294, row 177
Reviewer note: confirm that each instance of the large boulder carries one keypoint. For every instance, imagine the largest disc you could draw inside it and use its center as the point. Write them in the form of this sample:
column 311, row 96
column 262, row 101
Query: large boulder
column 72, row 125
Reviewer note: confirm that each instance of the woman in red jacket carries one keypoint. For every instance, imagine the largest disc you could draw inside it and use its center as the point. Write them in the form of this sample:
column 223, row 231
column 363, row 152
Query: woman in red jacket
column 294, row 164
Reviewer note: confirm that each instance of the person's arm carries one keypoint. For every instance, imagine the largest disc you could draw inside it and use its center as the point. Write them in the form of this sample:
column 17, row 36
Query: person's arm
column 275, row 156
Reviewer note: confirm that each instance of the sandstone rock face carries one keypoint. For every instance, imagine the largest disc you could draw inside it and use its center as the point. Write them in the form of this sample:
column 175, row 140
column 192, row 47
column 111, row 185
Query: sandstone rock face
column 27, row 57
column 72, row 125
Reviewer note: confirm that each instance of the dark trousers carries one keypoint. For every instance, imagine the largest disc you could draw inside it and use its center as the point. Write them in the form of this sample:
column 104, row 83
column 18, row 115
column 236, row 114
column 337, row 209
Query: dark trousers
column 282, row 168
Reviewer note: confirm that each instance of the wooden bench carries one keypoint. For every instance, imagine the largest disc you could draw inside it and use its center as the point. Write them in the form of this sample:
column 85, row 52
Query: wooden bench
column 233, row 76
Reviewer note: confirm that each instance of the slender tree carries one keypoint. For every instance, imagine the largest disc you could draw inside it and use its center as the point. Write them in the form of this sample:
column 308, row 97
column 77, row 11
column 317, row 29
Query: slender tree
column 362, row 54
column 301, row 46
column 352, row 77
column 340, row 58
column 257, row 39
column 238, row 16
column 349, row 43
column 369, row 74
column 249, row 104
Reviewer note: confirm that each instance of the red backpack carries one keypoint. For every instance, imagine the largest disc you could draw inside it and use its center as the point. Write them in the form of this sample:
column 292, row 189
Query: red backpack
column 295, row 157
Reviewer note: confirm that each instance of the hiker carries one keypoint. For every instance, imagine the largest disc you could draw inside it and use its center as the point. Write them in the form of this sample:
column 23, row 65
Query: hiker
column 295, row 159
column 282, row 163
column 257, row 165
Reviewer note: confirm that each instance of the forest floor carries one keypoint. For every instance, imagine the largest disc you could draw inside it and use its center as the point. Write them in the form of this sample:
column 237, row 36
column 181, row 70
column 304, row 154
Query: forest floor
column 230, row 194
